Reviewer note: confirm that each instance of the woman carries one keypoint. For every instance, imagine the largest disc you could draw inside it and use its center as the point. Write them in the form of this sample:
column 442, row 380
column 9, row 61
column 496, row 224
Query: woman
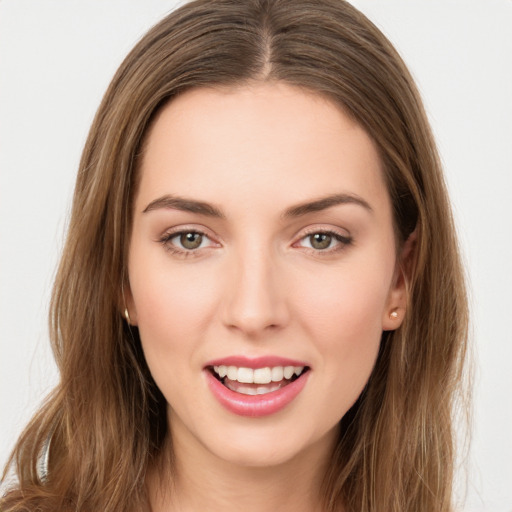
column 260, row 303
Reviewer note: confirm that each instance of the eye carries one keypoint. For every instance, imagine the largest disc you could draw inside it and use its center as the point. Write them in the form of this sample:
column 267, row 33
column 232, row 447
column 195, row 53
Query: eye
column 190, row 240
column 320, row 240
column 186, row 241
column 324, row 241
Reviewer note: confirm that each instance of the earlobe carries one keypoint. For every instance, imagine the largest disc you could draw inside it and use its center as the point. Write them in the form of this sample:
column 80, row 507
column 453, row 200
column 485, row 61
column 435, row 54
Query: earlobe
column 396, row 306
column 393, row 319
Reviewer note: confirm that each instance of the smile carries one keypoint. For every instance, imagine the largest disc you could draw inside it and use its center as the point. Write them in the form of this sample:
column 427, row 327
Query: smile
column 249, row 381
column 256, row 391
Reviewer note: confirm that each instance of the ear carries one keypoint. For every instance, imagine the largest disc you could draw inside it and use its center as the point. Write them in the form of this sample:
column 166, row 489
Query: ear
column 394, row 312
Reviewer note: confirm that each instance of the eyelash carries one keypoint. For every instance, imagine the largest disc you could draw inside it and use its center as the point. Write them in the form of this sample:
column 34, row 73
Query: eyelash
column 342, row 242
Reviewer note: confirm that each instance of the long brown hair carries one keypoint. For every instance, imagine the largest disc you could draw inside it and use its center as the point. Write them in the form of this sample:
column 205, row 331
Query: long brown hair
column 105, row 423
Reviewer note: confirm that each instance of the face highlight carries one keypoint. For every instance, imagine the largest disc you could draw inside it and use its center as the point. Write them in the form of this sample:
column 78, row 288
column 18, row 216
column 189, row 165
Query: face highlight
column 262, row 269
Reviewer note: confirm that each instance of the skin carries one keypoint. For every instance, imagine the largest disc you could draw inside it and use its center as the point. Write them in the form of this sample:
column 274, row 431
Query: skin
column 257, row 285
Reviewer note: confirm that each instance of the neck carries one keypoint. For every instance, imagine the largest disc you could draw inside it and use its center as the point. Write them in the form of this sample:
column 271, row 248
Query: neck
column 202, row 481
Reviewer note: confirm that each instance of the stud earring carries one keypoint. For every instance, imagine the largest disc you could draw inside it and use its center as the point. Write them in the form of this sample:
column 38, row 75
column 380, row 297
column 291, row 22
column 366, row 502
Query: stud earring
column 393, row 315
column 127, row 316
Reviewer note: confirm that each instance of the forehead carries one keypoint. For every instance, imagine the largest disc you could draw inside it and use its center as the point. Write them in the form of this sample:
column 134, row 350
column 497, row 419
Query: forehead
column 272, row 140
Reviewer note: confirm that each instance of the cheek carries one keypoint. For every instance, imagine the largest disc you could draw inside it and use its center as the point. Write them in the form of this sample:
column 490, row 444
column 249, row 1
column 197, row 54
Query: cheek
column 345, row 304
column 173, row 306
column 344, row 317
column 170, row 300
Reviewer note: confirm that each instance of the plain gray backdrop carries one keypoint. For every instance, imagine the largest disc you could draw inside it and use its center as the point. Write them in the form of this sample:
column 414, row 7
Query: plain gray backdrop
column 56, row 60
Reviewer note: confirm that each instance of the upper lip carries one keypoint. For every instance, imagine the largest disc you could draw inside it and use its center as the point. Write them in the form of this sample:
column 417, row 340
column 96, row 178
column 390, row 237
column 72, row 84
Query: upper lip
column 255, row 362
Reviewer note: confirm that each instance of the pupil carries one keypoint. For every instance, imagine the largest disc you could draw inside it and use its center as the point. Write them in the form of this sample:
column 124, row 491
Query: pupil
column 320, row 240
column 191, row 240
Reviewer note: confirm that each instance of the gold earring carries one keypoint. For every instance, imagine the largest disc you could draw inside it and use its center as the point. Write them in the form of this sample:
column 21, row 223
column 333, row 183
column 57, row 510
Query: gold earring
column 393, row 315
column 127, row 316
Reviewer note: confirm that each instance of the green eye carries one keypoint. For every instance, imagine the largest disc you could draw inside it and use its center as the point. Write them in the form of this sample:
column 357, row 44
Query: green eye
column 191, row 240
column 325, row 241
column 320, row 240
column 186, row 243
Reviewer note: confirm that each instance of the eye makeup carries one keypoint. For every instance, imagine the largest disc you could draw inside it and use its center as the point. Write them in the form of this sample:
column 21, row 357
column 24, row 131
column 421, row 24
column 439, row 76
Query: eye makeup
column 190, row 242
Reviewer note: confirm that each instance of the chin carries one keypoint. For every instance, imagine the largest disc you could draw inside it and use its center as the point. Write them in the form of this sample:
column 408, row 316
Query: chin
column 267, row 444
column 259, row 453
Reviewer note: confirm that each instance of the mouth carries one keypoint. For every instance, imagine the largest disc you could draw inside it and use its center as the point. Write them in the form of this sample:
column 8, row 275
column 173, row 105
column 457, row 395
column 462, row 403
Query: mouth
column 256, row 381
column 256, row 387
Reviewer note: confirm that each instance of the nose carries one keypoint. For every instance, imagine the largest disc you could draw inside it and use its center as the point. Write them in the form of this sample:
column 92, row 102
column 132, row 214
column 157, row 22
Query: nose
column 255, row 302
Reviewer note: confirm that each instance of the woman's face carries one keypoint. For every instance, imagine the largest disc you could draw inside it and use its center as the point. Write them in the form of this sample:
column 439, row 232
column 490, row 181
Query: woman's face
column 262, row 269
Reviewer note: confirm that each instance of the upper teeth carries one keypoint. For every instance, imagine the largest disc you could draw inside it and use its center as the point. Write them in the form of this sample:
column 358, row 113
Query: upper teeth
column 259, row 375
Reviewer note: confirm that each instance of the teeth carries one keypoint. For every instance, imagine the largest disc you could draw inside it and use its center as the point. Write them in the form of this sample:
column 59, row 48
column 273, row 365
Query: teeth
column 267, row 389
column 248, row 390
column 221, row 370
column 277, row 373
column 259, row 375
column 288, row 372
column 245, row 375
column 262, row 375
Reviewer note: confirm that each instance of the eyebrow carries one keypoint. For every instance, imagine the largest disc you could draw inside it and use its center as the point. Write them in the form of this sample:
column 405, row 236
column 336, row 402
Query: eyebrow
column 209, row 210
column 324, row 203
column 186, row 205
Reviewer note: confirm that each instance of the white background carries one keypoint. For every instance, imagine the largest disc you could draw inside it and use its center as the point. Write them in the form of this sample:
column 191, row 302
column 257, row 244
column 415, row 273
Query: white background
column 56, row 59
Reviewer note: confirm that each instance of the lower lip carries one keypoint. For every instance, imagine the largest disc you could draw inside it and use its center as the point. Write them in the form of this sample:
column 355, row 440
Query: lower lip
column 255, row 405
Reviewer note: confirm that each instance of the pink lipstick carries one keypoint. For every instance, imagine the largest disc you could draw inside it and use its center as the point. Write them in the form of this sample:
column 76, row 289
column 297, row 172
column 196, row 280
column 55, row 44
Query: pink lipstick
column 256, row 387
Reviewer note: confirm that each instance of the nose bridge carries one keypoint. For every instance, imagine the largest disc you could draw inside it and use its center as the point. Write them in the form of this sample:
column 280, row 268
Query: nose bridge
column 255, row 301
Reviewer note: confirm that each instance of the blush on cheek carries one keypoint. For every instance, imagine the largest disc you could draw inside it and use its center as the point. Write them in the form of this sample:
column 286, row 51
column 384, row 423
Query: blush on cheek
column 346, row 310
column 346, row 323
column 174, row 301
